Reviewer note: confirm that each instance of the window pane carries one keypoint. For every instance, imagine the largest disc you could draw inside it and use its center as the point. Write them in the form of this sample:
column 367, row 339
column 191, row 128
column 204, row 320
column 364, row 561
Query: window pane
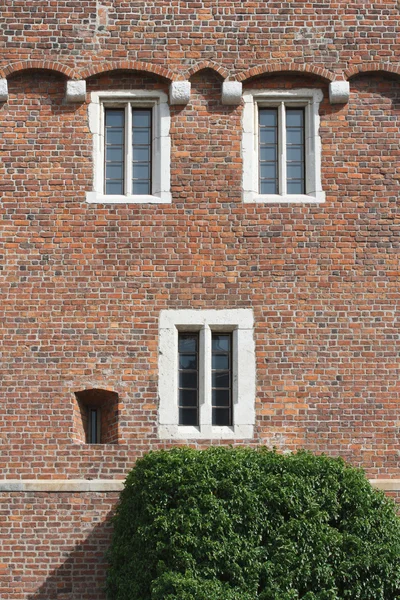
column 268, row 187
column 221, row 417
column 187, row 343
column 268, row 150
column 295, row 151
column 141, row 154
column 294, row 117
column 221, row 342
column 294, row 136
column 188, row 379
column 141, row 187
column 188, row 400
column 114, row 187
column 114, row 150
column 140, row 171
column 114, row 154
column 295, row 187
column 220, row 380
column 141, row 151
column 188, row 416
column 221, row 398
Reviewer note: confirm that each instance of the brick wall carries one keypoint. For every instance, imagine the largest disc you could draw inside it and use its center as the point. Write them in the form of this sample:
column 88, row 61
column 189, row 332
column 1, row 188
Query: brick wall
column 83, row 285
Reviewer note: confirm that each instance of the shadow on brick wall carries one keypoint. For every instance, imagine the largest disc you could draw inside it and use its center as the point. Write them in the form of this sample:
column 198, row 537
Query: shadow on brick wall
column 82, row 575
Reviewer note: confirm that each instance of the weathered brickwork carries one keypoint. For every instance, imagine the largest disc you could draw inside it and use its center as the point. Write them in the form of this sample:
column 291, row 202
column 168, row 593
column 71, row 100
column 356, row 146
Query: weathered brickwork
column 82, row 285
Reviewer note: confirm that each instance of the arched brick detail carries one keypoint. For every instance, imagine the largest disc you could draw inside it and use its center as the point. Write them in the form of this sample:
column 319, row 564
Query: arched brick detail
column 371, row 67
column 127, row 65
column 46, row 65
column 207, row 64
column 285, row 67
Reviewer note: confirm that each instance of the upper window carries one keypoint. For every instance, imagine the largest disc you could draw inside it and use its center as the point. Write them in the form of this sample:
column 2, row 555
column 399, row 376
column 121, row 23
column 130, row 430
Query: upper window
column 206, row 374
column 281, row 146
column 131, row 147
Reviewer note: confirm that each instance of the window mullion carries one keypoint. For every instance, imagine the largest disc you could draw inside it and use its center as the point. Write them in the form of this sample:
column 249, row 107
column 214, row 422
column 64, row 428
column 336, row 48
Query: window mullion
column 128, row 149
column 205, row 376
column 282, row 149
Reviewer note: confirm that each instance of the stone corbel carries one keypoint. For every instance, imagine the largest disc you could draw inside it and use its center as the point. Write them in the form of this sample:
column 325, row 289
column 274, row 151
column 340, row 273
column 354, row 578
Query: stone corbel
column 179, row 92
column 3, row 90
column 75, row 91
column 231, row 93
column 339, row 92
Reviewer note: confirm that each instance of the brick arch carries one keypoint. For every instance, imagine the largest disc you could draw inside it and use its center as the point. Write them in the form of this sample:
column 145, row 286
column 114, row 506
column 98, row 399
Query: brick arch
column 207, row 64
column 267, row 69
column 127, row 65
column 370, row 68
column 44, row 65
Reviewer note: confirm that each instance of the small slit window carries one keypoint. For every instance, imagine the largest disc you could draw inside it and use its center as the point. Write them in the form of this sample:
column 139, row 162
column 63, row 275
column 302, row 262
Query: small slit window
column 96, row 417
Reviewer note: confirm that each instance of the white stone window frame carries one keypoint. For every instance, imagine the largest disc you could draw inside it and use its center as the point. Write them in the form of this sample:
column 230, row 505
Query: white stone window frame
column 306, row 98
column 241, row 323
column 161, row 144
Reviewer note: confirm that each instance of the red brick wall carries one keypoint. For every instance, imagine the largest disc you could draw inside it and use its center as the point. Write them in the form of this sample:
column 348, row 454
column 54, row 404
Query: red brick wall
column 82, row 285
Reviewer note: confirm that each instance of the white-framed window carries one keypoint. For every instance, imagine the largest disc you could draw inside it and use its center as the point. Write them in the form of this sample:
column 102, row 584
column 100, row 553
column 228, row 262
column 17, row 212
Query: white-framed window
column 281, row 146
column 206, row 374
column 131, row 147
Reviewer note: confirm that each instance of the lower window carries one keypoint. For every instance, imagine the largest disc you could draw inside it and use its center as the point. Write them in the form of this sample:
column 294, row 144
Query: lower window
column 206, row 374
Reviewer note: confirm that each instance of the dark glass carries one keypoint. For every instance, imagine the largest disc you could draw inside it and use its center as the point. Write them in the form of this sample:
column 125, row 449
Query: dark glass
column 188, row 361
column 93, row 426
column 295, row 150
column 114, row 150
column 268, row 150
column 141, row 151
column 221, row 374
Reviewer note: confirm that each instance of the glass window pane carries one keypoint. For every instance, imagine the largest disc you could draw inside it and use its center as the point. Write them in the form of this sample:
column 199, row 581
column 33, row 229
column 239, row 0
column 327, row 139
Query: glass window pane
column 114, row 171
column 114, row 137
column 295, row 187
column 294, row 117
column 141, row 187
column 221, row 342
column 188, row 361
column 221, row 398
column 188, row 416
column 268, row 136
column 141, row 118
column 114, row 187
column 140, row 171
column 268, row 187
column 220, row 380
column 268, row 170
column 114, row 153
column 294, row 136
column 141, row 136
column 141, row 154
column 294, row 171
column 187, row 343
column 220, row 361
column 188, row 398
column 268, row 153
column 188, row 379
column 295, row 153
column 221, row 416
column 115, row 118
column 268, row 117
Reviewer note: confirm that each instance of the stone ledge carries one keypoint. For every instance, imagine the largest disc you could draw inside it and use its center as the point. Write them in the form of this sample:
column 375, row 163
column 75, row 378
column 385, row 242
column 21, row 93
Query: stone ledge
column 117, row 485
column 61, row 485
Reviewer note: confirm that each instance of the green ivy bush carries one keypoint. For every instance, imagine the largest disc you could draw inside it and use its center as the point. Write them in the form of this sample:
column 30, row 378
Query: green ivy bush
column 243, row 524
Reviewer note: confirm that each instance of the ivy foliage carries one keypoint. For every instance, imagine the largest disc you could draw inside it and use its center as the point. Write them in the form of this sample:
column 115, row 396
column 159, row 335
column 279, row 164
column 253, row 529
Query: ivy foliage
column 244, row 524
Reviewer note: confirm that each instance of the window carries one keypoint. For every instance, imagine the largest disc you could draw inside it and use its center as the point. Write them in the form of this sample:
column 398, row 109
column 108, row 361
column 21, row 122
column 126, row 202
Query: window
column 281, row 147
column 96, row 417
column 131, row 147
column 206, row 374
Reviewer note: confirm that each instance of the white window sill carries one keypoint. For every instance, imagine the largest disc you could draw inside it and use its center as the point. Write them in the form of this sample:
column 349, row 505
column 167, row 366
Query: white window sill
column 96, row 198
column 205, row 432
column 251, row 197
